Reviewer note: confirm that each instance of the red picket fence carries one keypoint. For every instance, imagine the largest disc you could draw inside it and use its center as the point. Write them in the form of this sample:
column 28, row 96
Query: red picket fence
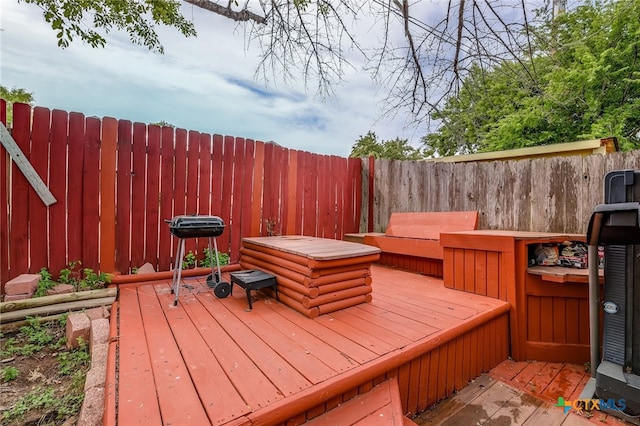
column 116, row 182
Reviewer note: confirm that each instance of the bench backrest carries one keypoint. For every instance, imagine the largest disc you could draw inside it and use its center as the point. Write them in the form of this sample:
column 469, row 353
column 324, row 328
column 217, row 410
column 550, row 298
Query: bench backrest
column 429, row 225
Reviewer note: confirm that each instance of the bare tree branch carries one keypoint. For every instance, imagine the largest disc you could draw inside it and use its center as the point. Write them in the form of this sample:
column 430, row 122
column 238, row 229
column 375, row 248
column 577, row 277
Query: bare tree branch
column 240, row 15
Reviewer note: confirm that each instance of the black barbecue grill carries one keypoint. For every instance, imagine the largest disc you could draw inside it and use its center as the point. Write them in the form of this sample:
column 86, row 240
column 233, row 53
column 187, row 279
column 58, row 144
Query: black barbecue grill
column 209, row 227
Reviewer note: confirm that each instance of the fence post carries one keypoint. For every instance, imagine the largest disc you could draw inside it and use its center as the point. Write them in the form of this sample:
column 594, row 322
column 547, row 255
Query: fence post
column 107, row 195
column 372, row 162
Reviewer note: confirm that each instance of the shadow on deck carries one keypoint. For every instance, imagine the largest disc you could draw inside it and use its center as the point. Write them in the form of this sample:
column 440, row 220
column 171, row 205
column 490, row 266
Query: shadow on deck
column 209, row 361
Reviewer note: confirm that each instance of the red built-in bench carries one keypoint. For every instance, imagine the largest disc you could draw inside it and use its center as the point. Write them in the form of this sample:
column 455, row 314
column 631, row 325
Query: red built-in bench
column 412, row 240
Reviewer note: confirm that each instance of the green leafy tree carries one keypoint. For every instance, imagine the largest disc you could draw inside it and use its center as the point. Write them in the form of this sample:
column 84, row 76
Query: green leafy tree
column 14, row 95
column 137, row 18
column 394, row 149
column 583, row 83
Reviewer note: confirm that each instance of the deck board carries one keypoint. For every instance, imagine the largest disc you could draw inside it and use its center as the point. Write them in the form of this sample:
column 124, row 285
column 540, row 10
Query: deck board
column 220, row 399
column 138, row 401
column 261, row 362
column 169, row 370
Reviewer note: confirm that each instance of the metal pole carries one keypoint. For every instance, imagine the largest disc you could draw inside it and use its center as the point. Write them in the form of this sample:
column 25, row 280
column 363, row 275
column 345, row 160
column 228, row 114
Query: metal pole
column 594, row 308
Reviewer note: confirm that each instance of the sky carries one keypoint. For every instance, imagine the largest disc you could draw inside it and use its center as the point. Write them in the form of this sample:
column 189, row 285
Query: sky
column 206, row 84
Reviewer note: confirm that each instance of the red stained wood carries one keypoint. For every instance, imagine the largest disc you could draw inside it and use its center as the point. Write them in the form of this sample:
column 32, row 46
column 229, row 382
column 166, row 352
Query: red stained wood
column 459, row 363
column 493, row 274
column 58, row 186
column 237, row 188
column 564, row 383
column 217, row 174
column 380, row 406
column 282, row 161
column 247, row 190
column 109, row 415
column 480, row 275
column 137, row 400
column 152, row 213
column 91, row 191
column 571, row 325
column 311, row 344
column 413, row 390
column 192, row 184
column 204, row 187
column 534, row 314
column 560, row 321
column 339, row 180
column 138, row 196
column 508, row 369
column 256, row 205
column 352, row 332
column 171, row 375
column 123, row 219
column 166, row 197
column 291, row 211
column 37, row 210
column 469, row 270
column 354, row 290
column 310, row 195
column 75, row 176
column 301, row 158
column 325, row 197
column 278, row 371
column 395, row 320
column 227, row 185
column 294, row 351
column 108, row 159
column 546, row 319
column 220, row 398
column 19, row 237
column 351, row 350
column 382, row 330
column 4, row 213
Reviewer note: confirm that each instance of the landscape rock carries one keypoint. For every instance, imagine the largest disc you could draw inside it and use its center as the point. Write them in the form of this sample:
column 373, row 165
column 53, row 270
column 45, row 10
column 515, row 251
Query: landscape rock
column 14, row 297
column 147, row 268
column 61, row 289
column 22, row 284
column 92, row 407
column 96, row 377
column 78, row 325
column 97, row 313
column 99, row 332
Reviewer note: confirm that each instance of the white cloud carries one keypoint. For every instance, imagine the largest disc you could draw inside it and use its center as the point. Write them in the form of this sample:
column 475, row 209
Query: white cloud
column 205, row 83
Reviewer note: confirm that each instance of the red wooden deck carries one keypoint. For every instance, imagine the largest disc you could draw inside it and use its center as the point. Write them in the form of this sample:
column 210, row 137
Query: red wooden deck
column 209, row 361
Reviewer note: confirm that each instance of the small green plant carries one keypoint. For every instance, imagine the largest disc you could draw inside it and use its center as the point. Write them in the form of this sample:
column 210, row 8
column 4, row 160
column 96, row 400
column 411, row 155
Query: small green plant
column 189, row 260
column 72, row 274
column 72, row 361
column 91, row 280
column 46, row 283
column 210, row 259
column 9, row 373
column 38, row 398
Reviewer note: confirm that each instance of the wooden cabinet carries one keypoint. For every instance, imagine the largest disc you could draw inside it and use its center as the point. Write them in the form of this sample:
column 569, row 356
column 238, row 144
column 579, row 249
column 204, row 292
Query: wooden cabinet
column 549, row 317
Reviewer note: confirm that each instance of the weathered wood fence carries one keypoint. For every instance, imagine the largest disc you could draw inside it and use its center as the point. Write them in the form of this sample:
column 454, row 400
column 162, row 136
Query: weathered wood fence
column 547, row 195
column 116, row 182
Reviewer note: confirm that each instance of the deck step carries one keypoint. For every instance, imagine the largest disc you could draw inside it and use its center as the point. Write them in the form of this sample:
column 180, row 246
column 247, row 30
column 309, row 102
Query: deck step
column 380, row 406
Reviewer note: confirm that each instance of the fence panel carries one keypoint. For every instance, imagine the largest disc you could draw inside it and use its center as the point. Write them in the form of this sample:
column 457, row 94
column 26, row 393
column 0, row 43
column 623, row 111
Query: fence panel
column 116, row 181
column 19, row 225
column 556, row 194
column 39, row 160
column 152, row 202
column 4, row 204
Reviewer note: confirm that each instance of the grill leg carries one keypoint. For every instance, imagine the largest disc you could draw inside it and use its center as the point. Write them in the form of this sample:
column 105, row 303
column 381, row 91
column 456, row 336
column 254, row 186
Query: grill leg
column 178, row 275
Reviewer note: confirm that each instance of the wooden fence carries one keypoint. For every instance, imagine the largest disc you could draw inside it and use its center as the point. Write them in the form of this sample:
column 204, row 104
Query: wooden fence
column 546, row 195
column 116, row 182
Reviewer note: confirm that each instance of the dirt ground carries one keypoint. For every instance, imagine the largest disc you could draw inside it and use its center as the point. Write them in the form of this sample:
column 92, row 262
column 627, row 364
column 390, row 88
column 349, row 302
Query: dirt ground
column 48, row 386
